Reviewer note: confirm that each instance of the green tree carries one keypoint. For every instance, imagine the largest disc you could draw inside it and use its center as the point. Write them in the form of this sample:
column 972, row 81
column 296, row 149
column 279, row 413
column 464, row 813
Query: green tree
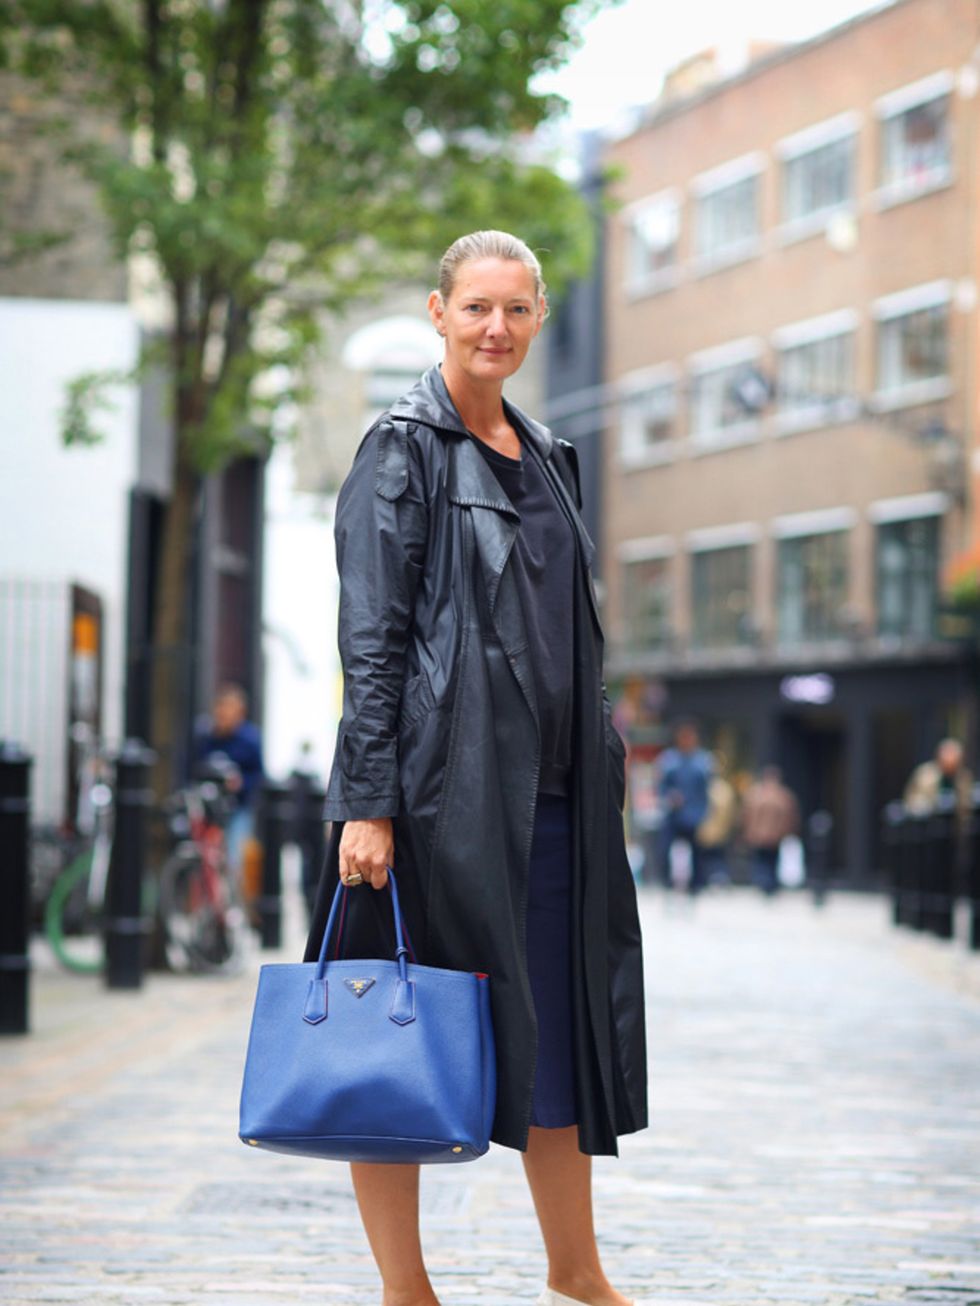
column 284, row 157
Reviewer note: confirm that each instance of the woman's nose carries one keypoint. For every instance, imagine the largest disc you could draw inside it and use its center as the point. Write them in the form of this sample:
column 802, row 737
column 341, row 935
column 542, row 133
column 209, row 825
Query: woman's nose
column 496, row 323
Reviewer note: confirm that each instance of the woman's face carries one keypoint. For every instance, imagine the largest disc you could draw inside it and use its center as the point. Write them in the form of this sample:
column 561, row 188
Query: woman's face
column 490, row 319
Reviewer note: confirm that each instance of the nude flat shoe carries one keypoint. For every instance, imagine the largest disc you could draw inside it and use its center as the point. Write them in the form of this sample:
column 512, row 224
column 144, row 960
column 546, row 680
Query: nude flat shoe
column 551, row 1298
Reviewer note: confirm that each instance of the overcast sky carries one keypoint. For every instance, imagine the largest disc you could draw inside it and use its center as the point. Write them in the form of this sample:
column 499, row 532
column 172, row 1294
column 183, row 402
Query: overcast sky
column 630, row 46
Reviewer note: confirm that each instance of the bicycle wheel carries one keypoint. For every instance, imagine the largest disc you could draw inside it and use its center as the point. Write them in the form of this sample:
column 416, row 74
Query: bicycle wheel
column 72, row 922
column 203, row 930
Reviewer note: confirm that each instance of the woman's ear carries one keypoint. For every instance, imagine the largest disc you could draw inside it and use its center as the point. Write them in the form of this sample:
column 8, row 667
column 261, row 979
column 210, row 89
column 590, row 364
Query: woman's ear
column 543, row 311
column 437, row 312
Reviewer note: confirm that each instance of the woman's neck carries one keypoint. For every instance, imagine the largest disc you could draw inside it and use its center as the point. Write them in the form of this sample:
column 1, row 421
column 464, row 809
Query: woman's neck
column 480, row 406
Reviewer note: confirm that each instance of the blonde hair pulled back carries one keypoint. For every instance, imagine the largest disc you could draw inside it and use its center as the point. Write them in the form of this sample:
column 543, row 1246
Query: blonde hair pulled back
column 487, row 244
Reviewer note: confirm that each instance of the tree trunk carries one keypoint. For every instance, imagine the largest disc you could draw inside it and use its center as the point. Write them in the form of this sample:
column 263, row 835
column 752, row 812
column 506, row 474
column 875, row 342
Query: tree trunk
column 172, row 668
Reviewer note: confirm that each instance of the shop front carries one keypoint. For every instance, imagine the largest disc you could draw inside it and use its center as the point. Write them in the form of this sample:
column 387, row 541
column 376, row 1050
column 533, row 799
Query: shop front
column 847, row 736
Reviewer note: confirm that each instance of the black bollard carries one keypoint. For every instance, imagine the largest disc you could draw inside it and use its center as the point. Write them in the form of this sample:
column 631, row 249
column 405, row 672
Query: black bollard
column 893, row 841
column 939, row 867
column 275, row 817
column 918, row 869
column 819, row 828
column 15, row 893
column 126, row 928
column 973, row 870
column 308, row 830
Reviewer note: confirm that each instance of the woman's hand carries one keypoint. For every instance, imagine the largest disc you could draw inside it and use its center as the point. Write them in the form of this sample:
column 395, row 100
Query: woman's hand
column 366, row 848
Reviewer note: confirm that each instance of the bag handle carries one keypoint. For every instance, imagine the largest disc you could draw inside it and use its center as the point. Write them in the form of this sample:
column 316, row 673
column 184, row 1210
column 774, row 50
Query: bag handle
column 403, row 1003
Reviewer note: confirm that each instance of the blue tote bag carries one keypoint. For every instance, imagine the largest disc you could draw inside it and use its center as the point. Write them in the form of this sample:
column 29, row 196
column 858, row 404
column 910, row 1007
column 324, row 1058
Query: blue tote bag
column 370, row 1060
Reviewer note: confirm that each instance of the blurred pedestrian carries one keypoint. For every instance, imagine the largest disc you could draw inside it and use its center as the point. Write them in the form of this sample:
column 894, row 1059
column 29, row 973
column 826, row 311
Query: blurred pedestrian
column 770, row 814
column 477, row 756
column 946, row 773
column 685, row 772
column 230, row 735
column 714, row 834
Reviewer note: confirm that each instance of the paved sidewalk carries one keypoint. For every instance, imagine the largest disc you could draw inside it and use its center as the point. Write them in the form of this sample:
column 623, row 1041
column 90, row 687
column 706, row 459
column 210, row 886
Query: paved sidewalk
column 815, row 1138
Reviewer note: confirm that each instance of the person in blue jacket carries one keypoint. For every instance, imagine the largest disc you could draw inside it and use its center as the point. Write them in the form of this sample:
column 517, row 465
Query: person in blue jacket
column 230, row 734
column 685, row 773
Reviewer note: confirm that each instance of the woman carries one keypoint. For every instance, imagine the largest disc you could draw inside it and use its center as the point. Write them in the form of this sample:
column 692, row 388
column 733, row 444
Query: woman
column 476, row 754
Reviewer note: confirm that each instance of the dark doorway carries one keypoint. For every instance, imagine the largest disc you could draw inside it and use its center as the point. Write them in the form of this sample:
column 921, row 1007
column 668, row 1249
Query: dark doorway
column 812, row 754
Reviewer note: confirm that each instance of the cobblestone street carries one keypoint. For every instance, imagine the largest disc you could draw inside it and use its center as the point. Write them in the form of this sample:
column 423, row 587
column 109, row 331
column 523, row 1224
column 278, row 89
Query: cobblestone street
column 815, row 1138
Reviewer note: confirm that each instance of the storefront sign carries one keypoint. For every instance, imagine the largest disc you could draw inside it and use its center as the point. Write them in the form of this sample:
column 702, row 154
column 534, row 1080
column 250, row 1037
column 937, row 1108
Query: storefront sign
column 816, row 689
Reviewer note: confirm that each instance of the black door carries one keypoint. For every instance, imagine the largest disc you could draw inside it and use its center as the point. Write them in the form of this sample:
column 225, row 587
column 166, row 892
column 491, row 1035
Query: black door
column 813, row 757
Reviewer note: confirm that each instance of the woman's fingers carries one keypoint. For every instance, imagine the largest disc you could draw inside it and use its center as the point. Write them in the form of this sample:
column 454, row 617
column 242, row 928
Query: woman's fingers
column 366, row 849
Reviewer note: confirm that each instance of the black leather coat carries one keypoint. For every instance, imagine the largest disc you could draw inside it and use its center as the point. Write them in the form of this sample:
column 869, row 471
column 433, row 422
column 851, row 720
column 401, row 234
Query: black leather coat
column 439, row 732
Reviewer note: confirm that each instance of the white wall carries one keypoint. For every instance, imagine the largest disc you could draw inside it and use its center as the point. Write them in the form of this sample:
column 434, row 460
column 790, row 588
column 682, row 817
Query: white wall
column 303, row 682
column 64, row 512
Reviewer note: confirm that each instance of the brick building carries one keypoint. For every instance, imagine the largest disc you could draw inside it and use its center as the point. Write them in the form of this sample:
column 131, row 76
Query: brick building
column 791, row 352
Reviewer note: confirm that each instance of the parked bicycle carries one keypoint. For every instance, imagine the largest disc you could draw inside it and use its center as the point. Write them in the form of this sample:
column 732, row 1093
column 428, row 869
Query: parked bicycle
column 74, row 907
column 203, row 919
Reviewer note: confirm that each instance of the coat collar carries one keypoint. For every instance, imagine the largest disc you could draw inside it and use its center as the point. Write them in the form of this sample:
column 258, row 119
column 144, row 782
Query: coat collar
column 469, row 480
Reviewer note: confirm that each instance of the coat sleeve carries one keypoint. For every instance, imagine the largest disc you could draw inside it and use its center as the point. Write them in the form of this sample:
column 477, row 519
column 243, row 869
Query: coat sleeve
column 381, row 528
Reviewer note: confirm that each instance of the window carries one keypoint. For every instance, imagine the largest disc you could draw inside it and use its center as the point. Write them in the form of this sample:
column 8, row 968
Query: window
column 647, row 421
column 653, row 229
column 916, row 152
column 721, row 597
column 907, row 565
column 726, row 392
column 812, row 588
column 815, row 382
column 819, row 180
column 646, row 604
column 387, row 356
column 727, row 217
column 913, row 353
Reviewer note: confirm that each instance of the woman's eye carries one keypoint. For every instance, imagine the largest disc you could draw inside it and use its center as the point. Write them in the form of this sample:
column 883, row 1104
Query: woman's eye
column 473, row 308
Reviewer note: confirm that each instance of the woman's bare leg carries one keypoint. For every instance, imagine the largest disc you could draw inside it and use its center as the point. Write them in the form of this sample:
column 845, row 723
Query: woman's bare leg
column 388, row 1199
column 560, row 1178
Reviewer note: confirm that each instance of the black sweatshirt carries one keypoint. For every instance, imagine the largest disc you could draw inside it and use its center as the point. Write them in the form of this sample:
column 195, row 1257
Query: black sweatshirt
column 543, row 559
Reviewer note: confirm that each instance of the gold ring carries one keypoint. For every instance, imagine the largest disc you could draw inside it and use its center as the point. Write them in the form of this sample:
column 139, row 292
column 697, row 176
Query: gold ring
column 356, row 878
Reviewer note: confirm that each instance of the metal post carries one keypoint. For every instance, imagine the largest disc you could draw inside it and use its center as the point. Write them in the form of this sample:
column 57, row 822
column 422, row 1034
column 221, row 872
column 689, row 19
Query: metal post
column 126, row 928
column 308, row 830
column 973, row 870
column 819, row 829
column 940, row 866
column 893, row 829
column 918, row 869
column 275, row 814
column 15, row 895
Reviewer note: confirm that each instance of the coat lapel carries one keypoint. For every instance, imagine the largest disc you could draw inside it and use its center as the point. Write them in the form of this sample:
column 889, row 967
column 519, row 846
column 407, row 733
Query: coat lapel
column 471, row 484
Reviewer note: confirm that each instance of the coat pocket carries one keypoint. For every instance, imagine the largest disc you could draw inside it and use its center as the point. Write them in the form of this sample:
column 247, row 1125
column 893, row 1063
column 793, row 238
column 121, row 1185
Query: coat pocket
column 417, row 699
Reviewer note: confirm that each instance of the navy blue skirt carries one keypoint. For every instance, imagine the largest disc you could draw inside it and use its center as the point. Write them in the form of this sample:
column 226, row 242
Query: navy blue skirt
column 549, row 961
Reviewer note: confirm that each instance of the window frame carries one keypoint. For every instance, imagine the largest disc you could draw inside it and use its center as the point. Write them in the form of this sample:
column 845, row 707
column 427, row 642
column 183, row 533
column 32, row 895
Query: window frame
column 744, row 352
column 842, row 324
column 832, row 526
column 890, row 522
column 711, row 544
column 638, row 285
column 890, row 309
column 632, row 387
column 633, row 553
column 843, row 127
column 708, row 186
column 888, row 108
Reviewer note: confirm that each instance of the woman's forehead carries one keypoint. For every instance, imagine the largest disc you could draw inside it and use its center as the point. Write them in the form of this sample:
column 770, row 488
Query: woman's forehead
column 495, row 278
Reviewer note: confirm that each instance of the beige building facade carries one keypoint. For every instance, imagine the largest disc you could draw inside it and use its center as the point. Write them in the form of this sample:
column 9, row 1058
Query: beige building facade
column 791, row 349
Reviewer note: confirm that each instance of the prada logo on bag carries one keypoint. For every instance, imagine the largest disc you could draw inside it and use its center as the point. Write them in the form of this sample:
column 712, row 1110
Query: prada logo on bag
column 359, row 986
